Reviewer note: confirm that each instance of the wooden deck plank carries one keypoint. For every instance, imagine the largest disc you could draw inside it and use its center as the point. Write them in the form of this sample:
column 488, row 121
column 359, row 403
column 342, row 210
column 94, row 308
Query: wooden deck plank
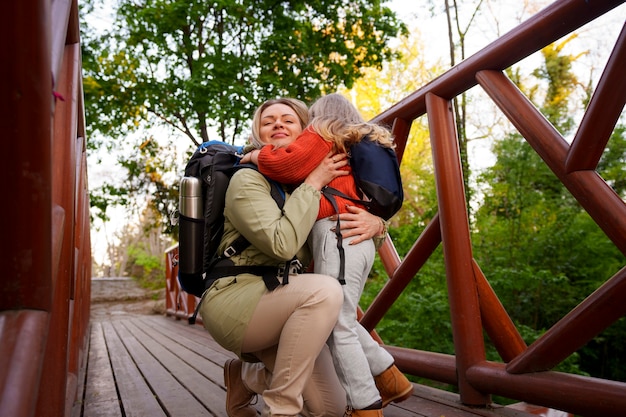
column 198, row 340
column 141, row 365
column 171, row 394
column 193, row 338
column 101, row 398
column 183, row 367
column 431, row 402
column 135, row 395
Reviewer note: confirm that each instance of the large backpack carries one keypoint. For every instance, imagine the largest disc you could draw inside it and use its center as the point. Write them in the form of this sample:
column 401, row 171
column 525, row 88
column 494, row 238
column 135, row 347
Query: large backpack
column 201, row 217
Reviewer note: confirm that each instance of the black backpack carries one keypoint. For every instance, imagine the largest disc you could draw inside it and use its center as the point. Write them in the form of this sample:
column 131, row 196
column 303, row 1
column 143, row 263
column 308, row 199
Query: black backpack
column 201, row 219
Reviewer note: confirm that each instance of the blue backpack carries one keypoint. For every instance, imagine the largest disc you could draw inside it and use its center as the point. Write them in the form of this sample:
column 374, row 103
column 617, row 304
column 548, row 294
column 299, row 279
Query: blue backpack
column 377, row 175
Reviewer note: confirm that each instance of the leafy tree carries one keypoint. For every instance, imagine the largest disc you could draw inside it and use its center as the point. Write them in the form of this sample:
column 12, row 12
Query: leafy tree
column 203, row 66
column 198, row 69
column 612, row 165
column 149, row 178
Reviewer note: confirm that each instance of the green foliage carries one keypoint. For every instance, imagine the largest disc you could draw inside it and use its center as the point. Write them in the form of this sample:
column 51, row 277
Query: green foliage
column 557, row 71
column 604, row 355
column 541, row 252
column 204, row 66
column 145, row 182
column 612, row 165
column 420, row 318
column 534, row 298
column 147, row 269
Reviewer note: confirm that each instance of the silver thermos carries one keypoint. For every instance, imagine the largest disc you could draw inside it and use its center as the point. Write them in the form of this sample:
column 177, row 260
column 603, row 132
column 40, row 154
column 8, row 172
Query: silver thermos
column 191, row 228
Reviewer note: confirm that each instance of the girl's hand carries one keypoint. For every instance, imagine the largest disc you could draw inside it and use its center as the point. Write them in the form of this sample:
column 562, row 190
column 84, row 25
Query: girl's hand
column 251, row 157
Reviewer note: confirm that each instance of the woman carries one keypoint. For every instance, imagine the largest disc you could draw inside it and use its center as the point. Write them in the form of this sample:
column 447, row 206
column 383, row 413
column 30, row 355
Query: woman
column 285, row 328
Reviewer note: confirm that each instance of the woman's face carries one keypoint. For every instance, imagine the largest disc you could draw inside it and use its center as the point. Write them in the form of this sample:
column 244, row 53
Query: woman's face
column 279, row 125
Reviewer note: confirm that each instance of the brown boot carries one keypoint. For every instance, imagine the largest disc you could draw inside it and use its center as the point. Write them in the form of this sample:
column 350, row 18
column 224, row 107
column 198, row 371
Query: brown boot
column 350, row 412
column 393, row 386
column 238, row 398
column 374, row 410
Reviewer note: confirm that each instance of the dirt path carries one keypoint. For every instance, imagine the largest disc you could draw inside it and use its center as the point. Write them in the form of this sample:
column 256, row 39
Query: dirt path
column 113, row 298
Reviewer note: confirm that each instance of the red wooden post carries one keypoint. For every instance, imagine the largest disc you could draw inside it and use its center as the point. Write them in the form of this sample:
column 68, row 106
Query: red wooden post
column 457, row 248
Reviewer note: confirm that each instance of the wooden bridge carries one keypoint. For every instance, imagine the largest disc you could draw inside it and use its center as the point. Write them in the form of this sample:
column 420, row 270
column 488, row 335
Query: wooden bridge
column 158, row 366
column 47, row 342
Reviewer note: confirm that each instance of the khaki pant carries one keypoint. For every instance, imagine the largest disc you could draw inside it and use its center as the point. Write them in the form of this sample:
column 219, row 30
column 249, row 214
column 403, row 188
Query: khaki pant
column 323, row 395
column 288, row 333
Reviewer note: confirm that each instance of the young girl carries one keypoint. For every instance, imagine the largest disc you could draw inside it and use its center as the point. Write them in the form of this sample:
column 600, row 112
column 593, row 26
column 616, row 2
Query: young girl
column 365, row 369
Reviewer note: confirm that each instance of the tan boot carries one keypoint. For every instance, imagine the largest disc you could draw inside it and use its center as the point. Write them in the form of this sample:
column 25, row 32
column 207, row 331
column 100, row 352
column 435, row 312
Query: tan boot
column 393, row 386
column 350, row 412
column 238, row 398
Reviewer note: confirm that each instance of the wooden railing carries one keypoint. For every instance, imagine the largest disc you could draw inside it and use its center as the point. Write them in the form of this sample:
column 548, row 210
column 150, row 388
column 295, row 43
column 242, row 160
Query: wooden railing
column 46, row 253
column 524, row 373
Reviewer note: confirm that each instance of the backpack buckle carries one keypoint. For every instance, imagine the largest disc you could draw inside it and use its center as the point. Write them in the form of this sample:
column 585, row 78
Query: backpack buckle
column 294, row 267
column 229, row 251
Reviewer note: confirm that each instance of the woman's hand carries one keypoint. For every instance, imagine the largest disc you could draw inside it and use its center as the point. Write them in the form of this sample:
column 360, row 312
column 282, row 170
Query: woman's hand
column 361, row 223
column 329, row 169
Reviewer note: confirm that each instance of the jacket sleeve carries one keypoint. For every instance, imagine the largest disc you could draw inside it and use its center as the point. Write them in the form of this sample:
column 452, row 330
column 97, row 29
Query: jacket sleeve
column 278, row 234
column 293, row 163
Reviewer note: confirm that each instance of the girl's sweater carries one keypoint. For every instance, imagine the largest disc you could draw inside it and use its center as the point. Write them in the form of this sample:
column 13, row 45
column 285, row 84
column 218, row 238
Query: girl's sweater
column 292, row 164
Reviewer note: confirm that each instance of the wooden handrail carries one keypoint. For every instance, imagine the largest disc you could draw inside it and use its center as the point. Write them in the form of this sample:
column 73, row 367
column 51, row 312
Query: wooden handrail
column 45, row 296
column 525, row 372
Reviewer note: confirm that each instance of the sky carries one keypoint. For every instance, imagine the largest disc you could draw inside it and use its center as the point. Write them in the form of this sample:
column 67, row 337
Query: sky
column 497, row 18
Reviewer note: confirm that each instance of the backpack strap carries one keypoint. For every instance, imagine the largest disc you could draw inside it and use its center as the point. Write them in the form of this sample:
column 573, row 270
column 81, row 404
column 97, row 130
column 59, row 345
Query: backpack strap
column 269, row 274
column 221, row 266
column 230, row 270
column 226, row 268
column 330, row 194
column 234, row 248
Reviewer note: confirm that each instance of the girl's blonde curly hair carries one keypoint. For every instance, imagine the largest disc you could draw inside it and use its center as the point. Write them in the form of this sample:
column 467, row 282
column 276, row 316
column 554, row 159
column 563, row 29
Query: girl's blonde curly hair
column 336, row 120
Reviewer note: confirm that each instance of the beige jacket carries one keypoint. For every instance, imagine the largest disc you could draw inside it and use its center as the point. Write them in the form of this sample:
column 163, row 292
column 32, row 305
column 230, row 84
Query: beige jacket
column 275, row 236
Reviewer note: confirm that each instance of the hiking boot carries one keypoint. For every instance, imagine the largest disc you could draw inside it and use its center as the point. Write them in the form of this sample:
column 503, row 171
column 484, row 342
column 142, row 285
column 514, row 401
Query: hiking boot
column 350, row 412
column 238, row 397
column 393, row 386
column 373, row 410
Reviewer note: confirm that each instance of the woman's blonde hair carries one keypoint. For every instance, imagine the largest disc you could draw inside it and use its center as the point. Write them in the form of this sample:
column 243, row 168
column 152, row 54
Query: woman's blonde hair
column 296, row 105
column 336, row 120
